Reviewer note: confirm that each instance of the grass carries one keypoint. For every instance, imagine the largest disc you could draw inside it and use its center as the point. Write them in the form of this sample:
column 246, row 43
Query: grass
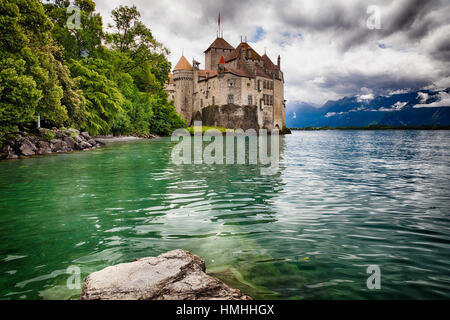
column 206, row 128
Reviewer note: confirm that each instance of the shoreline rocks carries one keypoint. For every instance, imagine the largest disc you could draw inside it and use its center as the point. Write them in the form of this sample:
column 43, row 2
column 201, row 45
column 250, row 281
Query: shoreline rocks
column 47, row 141
column 175, row 275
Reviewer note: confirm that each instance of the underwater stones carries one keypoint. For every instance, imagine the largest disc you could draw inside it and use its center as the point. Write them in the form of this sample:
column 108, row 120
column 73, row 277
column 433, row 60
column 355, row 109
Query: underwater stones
column 175, row 275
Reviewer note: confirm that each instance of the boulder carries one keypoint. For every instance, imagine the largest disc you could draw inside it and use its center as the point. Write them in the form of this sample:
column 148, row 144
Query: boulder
column 27, row 148
column 60, row 134
column 84, row 145
column 11, row 155
column 78, row 139
column 75, row 132
column 7, row 152
column 43, row 148
column 70, row 142
column 175, row 275
column 92, row 142
column 60, row 146
column 86, row 135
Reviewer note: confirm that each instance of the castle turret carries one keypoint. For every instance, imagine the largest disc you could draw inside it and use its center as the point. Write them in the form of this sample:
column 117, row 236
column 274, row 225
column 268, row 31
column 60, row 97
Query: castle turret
column 220, row 47
column 183, row 77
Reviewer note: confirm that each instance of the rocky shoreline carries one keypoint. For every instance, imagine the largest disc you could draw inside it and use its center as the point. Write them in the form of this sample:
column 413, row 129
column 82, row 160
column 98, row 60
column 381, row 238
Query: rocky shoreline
column 46, row 141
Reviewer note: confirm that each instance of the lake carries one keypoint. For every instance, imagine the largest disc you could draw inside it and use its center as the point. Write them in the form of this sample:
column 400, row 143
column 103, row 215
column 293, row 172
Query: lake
column 341, row 201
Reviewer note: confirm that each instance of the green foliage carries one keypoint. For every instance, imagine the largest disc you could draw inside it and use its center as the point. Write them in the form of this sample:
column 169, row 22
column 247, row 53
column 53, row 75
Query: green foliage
column 49, row 135
column 165, row 118
column 103, row 98
column 192, row 129
column 69, row 78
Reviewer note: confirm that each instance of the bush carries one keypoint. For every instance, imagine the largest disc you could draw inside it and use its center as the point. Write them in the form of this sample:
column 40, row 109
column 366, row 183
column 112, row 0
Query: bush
column 48, row 135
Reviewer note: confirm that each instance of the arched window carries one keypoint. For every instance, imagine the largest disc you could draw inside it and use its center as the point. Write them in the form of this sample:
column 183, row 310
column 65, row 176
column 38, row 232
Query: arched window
column 230, row 99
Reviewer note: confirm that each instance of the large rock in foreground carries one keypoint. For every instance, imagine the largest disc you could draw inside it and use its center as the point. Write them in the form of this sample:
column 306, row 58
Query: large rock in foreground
column 175, row 275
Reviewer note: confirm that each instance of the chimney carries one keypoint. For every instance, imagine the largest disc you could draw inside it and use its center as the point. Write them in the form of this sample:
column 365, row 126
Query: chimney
column 279, row 62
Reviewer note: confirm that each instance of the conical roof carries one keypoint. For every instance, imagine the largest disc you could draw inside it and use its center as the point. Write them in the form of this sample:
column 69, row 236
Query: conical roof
column 183, row 65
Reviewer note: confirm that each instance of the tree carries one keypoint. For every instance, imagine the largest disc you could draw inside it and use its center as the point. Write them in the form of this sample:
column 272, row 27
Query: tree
column 103, row 98
column 28, row 66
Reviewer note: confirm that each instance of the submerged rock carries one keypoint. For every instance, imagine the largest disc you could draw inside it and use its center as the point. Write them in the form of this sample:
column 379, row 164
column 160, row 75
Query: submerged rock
column 175, row 275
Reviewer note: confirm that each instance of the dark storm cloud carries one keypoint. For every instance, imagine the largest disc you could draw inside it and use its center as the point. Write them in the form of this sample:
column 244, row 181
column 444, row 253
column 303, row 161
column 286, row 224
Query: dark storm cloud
column 408, row 17
column 347, row 20
column 348, row 84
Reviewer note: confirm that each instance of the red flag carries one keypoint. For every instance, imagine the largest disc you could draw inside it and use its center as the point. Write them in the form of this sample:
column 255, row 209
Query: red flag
column 219, row 19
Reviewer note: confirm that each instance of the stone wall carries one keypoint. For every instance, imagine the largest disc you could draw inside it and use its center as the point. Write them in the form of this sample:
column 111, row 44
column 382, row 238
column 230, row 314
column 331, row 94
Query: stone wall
column 231, row 116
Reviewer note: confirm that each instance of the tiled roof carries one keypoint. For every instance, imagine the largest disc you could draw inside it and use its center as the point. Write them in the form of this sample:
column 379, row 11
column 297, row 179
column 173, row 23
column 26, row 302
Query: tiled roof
column 222, row 60
column 237, row 52
column 268, row 64
column 240, row 72
column 183, row 64
column 212, row 73
column 220, row 43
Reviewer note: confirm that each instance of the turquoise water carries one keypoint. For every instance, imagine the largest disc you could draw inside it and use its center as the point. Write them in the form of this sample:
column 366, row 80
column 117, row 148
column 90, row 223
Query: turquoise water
column 342, row 200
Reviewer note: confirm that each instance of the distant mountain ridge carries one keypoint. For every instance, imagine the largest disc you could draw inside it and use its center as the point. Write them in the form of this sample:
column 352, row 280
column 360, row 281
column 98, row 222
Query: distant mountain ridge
column 416, row 108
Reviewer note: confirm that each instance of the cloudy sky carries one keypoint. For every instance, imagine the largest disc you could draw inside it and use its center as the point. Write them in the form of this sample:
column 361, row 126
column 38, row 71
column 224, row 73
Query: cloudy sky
column 329, row 49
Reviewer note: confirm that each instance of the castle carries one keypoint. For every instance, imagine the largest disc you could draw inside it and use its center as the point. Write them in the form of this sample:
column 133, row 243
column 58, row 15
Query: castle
column 237, row 89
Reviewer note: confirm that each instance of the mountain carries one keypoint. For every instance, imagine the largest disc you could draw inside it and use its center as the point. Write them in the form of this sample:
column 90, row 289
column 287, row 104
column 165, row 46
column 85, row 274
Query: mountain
column 424, row 107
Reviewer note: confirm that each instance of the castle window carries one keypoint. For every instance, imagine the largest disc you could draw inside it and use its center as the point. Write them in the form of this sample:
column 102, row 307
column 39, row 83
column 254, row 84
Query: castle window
column 201, row 103
column 230, row 99
column 250, row 100
column 214, row 101
column 230, row 84
column 259, row 85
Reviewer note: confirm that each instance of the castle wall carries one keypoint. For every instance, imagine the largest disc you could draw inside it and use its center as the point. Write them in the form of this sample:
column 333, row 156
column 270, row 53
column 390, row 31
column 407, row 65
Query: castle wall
column 279, row 107
column 231, row 116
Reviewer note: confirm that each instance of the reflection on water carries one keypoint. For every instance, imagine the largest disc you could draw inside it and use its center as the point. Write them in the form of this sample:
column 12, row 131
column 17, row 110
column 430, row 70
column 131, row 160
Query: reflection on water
column 340, row 202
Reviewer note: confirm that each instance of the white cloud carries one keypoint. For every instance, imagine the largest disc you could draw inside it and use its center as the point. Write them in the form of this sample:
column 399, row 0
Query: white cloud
column 443, row 101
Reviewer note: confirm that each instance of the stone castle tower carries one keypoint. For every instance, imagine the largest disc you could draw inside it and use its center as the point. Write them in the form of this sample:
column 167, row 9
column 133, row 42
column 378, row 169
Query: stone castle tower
column 237, row 89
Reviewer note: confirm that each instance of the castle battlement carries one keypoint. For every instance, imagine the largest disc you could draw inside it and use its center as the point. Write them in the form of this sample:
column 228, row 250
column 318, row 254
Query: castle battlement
column 237, row 89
